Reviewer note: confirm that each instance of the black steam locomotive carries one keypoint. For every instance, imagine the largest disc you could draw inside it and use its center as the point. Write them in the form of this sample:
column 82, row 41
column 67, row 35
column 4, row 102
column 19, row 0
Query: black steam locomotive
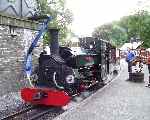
column 62, row 75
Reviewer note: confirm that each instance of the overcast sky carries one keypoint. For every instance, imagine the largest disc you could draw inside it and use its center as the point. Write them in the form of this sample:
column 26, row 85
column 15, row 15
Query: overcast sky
column 91, row 13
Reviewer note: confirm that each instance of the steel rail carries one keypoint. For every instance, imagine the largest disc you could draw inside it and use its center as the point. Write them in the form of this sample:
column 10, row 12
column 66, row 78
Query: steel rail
column 49, row 110
column 18, row 113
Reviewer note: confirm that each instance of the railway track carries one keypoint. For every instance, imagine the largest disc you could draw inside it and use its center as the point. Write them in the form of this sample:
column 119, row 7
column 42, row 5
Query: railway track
column 31, row 113
column 53, row 111
column 17, row 113
column 39, row 112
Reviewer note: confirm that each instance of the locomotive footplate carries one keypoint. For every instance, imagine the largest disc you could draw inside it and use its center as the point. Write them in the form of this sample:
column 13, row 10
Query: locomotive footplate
column 45, row 96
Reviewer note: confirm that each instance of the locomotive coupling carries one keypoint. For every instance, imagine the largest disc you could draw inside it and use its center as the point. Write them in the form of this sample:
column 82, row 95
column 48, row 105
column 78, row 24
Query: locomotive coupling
column 40, row 95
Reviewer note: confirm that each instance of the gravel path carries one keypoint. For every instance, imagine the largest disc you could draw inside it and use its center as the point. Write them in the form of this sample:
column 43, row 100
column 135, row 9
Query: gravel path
column 10, row 103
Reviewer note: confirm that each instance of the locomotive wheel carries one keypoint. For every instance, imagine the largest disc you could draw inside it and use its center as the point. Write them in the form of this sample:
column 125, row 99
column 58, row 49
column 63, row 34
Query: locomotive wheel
column 136, row 77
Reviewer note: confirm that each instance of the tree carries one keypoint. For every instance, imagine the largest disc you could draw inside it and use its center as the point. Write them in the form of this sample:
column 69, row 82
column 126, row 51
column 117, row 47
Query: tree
column 145, row 30
column 132, row 26
column 62, row 17
column 111, row 32
column 137, row 26
column 118, row 35
column 103, row 31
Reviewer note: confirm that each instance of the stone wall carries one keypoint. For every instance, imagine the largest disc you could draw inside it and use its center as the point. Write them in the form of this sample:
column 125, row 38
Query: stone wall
column 12, row 53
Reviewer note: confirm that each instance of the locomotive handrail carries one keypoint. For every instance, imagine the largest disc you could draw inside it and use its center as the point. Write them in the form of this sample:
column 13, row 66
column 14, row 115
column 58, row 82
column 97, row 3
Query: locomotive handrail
column 55, row 82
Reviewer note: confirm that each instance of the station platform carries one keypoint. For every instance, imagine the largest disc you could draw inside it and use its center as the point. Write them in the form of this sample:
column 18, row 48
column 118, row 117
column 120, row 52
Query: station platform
column 119, row 100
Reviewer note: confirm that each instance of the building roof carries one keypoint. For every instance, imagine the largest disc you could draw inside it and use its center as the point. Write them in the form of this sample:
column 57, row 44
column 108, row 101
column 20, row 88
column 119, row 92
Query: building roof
column 133, row 45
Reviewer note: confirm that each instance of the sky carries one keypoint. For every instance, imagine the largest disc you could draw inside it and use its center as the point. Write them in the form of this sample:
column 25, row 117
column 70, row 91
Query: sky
column 89, row 14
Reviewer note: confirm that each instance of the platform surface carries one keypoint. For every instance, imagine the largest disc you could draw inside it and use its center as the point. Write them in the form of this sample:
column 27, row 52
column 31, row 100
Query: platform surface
column 120, row 100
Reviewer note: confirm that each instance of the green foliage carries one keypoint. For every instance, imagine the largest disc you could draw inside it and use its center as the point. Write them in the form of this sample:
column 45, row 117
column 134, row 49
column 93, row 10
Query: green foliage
column 137, row 26
column 103, row 31
column 118, row 35
column 145, row 31
column 132, row 26
column 62, row 17
column 111, row 32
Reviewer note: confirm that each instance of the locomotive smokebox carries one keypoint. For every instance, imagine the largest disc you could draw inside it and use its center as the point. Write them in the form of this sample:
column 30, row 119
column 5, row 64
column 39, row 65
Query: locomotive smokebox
column 54, row 43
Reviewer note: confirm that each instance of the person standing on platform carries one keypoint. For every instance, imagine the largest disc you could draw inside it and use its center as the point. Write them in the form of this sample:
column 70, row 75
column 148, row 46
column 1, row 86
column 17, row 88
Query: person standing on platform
column 129, row 58
column 148, row 64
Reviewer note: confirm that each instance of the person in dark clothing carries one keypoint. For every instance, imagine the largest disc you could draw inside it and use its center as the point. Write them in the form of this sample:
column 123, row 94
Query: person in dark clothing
column 148, row 64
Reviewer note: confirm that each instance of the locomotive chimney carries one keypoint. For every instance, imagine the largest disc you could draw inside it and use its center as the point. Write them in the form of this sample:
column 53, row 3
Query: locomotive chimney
column 54, row 44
